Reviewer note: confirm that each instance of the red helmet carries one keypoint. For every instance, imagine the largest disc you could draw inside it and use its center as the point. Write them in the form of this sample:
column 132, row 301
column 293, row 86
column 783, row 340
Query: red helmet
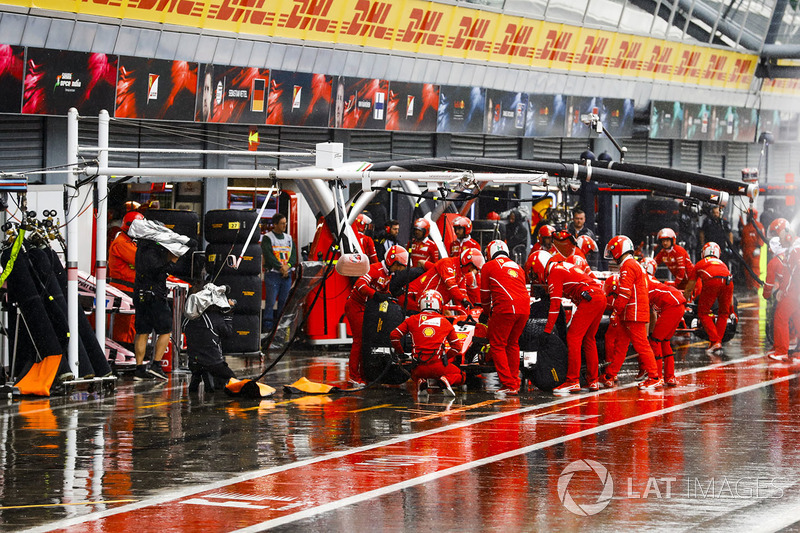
column 711, row 249
column 463, row 222
column 396, row 254
column 778, row 228
column 129, row 217
column 610, row 284
column 617, row 247
column 540, row 259
column 586, row 244
column 492, row 215
column 424, row 225
column 667, row 233
column 362, row 222
column 495, row 248
column 472, row 256
column 564, row 235
column 431, row 300
column 649, row 264
column 546, row 231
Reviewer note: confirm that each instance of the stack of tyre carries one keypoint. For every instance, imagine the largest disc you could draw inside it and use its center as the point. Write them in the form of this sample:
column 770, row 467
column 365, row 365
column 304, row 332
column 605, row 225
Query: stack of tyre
column 226, row 231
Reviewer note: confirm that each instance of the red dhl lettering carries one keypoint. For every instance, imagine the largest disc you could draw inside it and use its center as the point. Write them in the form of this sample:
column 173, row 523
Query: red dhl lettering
column 715, row 68
column 421, row 28
column 470, row 35
column 659, row 60
column 515, row 41
column 593, row 52
column 310, row 15
column 110, row 3
column 181, row 7
column 688, row 66
column 627, row 57
column 242, row 11
column 367, row 20
column 741, row 71
column 555, row 46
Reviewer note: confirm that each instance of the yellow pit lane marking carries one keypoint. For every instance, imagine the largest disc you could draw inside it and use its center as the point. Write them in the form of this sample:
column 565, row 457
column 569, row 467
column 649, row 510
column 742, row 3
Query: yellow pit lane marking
column 455, row 411
column 65, row 504
column 383, row 406
column 161, row 404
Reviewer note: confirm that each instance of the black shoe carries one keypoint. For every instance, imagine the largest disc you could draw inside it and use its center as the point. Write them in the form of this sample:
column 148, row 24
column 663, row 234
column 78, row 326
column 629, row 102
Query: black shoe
column 156, row 371
column 141, row 374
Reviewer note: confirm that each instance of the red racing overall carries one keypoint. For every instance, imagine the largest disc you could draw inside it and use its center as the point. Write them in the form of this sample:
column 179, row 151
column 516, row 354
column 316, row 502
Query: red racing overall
column 678, row 262
column 458, row 246
column 717, row 287
column 365, row 287
column 788, row 308
column 429, row 331
column 669, row 306
column 504, row 297
column 424, row 252
column 445, row 276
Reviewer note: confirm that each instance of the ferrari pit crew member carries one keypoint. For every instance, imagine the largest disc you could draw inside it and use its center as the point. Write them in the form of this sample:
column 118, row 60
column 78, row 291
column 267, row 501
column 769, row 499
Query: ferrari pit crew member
column 360, row 225
column 567, row 250
column 668, row 307
column 544, row 240
column 632, row 307
column 565, row 280
column 423, row 250
column 751, row 231
column 775, row 268
column 717, row 287
column 675, row 257
column 122, row 274
column 429, row 331
column 504, row 298
column 616, row 337
column 462, row 226
column 373, row 284
column 448, row 278
column 788, row 294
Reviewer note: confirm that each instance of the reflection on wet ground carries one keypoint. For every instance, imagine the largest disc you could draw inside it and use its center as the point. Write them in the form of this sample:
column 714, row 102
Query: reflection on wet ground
column 715, row 453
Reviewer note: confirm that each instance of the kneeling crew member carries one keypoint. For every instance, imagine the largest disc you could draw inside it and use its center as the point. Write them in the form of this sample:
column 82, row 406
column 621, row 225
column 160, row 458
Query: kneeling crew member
column 717, row 287
column 429, row 331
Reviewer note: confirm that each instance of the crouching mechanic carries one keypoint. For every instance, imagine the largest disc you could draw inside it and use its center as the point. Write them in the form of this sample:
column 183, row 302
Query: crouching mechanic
column 504, row 298
column 374, row 284
column 632, row 307
column 565, row 280
column 429, row 331
column 717, row 287
column 667, row 306
column 207, row 319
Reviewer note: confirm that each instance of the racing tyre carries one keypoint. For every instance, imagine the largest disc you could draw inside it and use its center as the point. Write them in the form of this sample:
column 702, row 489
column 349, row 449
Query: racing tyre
column 246, row 290
column 229, row 225
column 245, row 337
column 550, row 369
column 377, row 359
column 217, row 256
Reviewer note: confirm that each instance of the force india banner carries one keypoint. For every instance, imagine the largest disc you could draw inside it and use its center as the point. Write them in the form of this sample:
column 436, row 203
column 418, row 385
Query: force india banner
column 421, row 27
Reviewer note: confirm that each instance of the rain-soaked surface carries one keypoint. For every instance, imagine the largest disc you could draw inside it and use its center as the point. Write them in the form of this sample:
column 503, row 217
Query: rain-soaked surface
column 717, row 453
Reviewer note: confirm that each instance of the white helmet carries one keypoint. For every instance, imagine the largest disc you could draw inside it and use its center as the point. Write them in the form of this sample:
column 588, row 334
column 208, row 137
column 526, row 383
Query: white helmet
column 431, row 300
column 711, row 249
column 496, row 247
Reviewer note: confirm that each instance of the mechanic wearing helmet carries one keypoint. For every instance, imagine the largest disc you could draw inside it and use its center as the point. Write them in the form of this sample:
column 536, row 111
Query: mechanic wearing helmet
column 279, row 257
column 632, row 306
column 122, row 274
column 462, row 226
column 504, row 298
column 424, row 252
column 372, row 285
column 616, row 338
column 448, row 278
column 429, row 331
column 544, row 240
column 675, row 257
column 751, row 231
column 567, row 250
column 667, row 306
column 360, row 225
column 788, row 294
column 717, row 287
column 565, row 280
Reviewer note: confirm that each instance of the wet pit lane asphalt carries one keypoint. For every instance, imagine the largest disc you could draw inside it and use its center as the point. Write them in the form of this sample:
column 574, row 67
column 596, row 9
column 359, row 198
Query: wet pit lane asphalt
column 717, row 453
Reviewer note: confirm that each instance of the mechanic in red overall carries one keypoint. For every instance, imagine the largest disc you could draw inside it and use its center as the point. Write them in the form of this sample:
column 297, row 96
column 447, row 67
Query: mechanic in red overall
column 616, row 339
column 462, row 226
column 668, row 307
column 448, row 278
column 505, row 300
column 751, row 231
column 374, row 284
column 675, row 257
column 566, row 245
column 565, row 280
column 776, row 268
column 632, row 306
column 429, row 331
column 787, row 310
column 423, row 250
column 544, row 240
column 360, row 225
column 122, row 273
column 717, row 287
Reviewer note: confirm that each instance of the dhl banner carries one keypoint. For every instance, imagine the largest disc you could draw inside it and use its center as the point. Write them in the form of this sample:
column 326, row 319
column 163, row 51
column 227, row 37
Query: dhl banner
column 423, row 27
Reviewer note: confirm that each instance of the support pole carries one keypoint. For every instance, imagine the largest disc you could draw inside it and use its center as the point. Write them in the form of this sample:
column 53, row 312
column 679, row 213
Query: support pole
column 101, row 235
column 71, row 214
